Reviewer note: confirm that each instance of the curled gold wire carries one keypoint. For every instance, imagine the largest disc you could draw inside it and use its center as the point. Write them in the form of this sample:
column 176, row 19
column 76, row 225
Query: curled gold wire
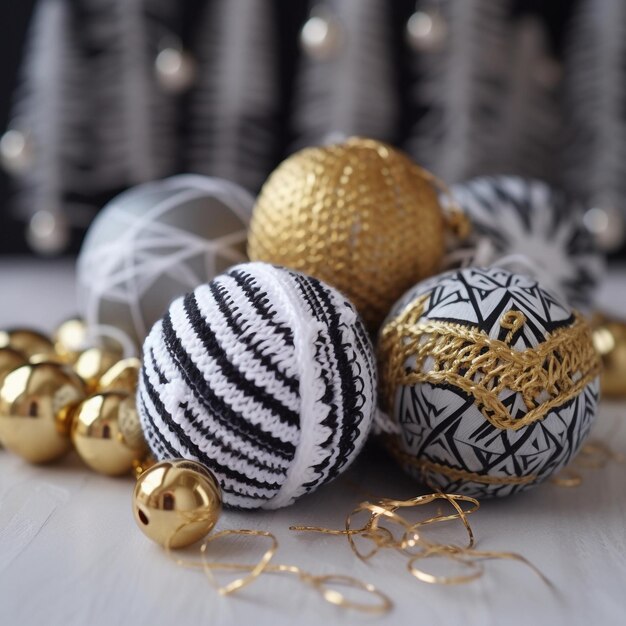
column 255, row 571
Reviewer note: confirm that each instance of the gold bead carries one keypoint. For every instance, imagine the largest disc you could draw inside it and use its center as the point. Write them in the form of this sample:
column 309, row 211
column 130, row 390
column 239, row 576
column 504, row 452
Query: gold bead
column 36, row 405
column 177, row 502
column 9, row 360
column 358, row 215
column 609, row 339
column 70, row 338
column 107, row 434
column 93, row 363
column 142, row 465
column 122, row 376
column 28, row 342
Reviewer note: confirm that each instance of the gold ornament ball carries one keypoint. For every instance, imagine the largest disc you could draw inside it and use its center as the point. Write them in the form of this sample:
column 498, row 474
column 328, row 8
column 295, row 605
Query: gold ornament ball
column 26, row 341
column 36, row 406
column 609, row 339
column 107, row 434
column 122, row 376
column 143, row 465
column 9, row 360
column 93, row 363
column 176, row 503
column 70, row 338
column 359, row 215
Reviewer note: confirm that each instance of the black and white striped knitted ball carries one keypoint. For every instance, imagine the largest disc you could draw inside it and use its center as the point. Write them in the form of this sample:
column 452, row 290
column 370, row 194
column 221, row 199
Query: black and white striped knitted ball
column 267, row 377
column 489, row 381
column 538, row 229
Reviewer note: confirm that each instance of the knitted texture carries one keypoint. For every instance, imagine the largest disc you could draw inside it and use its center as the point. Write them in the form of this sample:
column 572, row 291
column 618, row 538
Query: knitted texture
column 155, row 243
column 359, row 215
column 491, row 381
column 264, row 375
column 515, row 218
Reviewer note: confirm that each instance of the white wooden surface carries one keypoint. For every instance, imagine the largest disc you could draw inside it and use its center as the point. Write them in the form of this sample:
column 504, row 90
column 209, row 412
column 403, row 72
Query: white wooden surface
column 70, row 552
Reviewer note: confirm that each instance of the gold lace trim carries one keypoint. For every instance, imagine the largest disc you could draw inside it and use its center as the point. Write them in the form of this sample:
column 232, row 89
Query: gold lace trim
column 547, row 376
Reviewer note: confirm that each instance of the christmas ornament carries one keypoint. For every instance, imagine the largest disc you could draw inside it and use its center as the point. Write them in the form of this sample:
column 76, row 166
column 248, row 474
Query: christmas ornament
column 70, row 338
column 490, row 381
column 9, row 360
column 426, row 29
column 28, row 342
column 609, row 338
column 36, row 401
column 606, row 224
column 176, row 503
column 264, row 375
column 153, row 244
column 16, row 151
column 107, row 434
column 121, row 377
column 537, row 229
column 359, row 215
column 175, row 68
column 48, row 232
column 321, row 35
column 93, row 363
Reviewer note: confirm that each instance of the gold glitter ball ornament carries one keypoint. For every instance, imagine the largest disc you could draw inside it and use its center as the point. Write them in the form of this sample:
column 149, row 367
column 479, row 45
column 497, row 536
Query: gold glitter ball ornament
column 177, row 502
column 107, row 434
column 359, row 215
column 36, row 406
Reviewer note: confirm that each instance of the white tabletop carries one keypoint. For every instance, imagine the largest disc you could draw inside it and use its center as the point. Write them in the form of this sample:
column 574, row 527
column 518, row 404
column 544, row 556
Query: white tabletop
column 70, row 552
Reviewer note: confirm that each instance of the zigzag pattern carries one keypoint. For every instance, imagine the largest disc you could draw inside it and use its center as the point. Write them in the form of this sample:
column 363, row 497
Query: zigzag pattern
column 518, row 216
column 444, row 435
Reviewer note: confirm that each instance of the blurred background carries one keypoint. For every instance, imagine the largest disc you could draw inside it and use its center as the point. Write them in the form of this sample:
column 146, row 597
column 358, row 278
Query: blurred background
column 100, row 95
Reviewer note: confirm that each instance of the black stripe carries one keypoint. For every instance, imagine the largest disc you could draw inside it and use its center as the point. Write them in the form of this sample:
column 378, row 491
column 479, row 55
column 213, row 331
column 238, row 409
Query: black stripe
column 260, row 301
column 352, row 416
column 234, row 376
column 180, row 433
column 220, row 295
column 217, row 408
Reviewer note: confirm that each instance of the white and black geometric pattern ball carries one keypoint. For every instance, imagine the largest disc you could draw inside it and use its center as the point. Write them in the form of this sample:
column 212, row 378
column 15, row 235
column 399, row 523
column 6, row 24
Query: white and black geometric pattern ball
column 516, row 217
column 154, row 243
column 267, row 377
column 442, row 432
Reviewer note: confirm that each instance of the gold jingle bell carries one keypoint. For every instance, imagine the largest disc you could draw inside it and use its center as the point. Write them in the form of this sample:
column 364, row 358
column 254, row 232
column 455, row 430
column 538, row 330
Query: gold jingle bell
column 107, row 434
column 36, row 404
column 93, row 363
column 177, row 502
column 70, row 338
column 9, row 360
column 122, row 376
column 609, row 339
column 26, row 341
column 359, row 215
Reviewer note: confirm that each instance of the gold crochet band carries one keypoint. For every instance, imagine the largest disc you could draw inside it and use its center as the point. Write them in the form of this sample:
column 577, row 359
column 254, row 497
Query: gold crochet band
column 416, row 351
column 426, row 467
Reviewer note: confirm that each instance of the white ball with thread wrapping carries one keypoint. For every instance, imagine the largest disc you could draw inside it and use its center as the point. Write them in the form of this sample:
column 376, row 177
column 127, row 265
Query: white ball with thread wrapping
column 154, row 243
column 530, row 227
column 490, row 381
column 265, row 376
